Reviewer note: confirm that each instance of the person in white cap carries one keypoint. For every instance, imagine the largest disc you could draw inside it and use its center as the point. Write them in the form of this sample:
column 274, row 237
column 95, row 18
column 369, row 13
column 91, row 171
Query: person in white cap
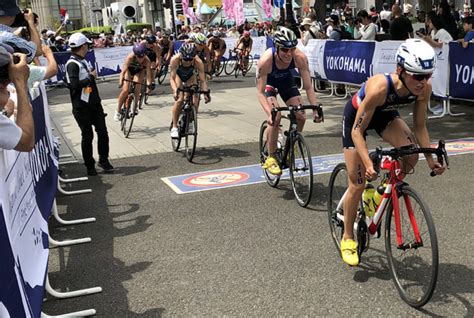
column 310, row 31
column 86, row 104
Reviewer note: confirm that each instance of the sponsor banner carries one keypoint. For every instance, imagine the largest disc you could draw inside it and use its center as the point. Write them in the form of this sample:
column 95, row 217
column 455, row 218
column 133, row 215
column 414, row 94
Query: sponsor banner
column 461, row 79
column 384, row 57
column 246, row 175
column 348, row 61
column 314, row 50
column 28, row 182
column 439, row 80
column 258, row 47
column 109, row 61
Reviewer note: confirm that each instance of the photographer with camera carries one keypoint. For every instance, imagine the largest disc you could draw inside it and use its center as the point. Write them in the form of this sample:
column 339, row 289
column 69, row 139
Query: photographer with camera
column 20, row 135
column 10, row 18
column 365, row 29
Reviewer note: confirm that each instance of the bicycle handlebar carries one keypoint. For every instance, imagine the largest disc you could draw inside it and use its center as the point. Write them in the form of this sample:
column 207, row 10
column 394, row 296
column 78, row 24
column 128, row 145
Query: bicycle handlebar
column 151, row 86
column 319, row 109
column 396, row 153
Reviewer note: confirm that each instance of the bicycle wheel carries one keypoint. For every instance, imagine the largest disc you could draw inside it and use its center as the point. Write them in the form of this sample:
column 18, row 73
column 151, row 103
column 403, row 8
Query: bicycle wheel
column 126, row 110
column 229, row 67
column 162, row 74
column 414, row 265
column 175, row 142
column 272, row 179
column 191, row 134
column 237, row 69
column 222, row 65
column 301, row 170
column 132, row 111
column 337, row 187
column 249, row 64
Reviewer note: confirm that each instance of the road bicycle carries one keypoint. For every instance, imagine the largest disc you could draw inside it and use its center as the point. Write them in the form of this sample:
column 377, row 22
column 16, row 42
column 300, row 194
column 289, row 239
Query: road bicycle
column 243, row 63
column 293, row 155
column 132, row 104
column 187, row 122
column 214, row 70
column 411, row 245
column 229, row 67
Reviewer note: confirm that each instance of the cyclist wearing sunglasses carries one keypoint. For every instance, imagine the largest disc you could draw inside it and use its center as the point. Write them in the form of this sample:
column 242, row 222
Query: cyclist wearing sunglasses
column 137, row 65
column 372, row 108
column 153, row 50
column 184, row 69
column 274, row 77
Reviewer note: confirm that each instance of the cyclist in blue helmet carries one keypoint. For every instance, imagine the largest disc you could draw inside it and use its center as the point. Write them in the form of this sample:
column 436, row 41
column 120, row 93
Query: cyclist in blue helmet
column 137, row 67
column 185, row 67
column 153, row 51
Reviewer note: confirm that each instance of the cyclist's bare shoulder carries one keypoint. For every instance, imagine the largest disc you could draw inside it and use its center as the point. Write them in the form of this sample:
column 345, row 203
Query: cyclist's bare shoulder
column 301, row 60
column 175, row 61
column 264, row 64
column 376, row 89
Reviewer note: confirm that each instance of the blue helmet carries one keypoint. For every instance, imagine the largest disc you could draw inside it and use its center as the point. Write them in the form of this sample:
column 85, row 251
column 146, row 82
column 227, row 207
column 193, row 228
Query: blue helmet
column 151, row 39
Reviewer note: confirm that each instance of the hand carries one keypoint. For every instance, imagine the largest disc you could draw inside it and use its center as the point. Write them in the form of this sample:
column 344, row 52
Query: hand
column 269, row 120
column 436, row 167
column 19, row 72
column 370, row 173
column 9, row 107
column 316, row 118
column 175, row 95
column 93, row 73
column 46, row 50
column 29, row 17
column 207, row 98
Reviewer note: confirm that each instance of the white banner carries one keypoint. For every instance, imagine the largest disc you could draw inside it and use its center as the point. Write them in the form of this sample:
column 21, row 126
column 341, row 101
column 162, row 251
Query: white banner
column 110, row 60
column 440, row 78
column 314, row 50
column 384, row 57
column 258, row 47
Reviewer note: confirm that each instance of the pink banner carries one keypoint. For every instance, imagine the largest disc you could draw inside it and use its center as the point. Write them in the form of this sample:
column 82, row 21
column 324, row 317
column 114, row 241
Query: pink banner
column 267, row 8
column 228, row 7
column 239, row 12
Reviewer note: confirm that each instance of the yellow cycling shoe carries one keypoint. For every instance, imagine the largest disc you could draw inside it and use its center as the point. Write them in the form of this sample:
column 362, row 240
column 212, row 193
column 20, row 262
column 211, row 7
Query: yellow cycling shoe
column 271, row 164
column 349, row 252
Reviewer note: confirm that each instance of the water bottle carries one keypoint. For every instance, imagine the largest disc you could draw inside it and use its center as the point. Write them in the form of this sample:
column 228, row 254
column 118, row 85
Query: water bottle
column 378, row 194
column 368, row 199
column 281, row 140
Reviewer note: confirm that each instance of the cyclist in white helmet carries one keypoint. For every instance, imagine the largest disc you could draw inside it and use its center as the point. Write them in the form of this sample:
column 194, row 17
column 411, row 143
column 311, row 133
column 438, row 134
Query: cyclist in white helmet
column 274, row 78
column 372, row 108
column 217, row 47
column 200, row 40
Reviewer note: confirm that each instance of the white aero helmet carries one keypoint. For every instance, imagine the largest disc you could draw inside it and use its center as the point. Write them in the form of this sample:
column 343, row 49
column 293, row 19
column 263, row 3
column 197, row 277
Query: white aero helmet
column 416, row 56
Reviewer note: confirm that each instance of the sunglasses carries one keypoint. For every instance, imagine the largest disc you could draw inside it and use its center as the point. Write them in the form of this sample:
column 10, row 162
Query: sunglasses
column 285, row 50
column 140, row 55
column 188, row 59
column 420, row 77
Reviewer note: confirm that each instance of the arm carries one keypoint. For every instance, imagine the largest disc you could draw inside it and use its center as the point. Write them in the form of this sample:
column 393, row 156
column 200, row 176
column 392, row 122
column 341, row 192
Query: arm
column 375, row 89
column 173, row 69
column 207, row 52
column 52, row 68
column 33, row 31
column 263, row 69
column 74, row 82
column 24, row 118
column 432, row 42
column 149, row 73
column 170, row 51
column 303, row 67
column 202, row 75
column 368, row 33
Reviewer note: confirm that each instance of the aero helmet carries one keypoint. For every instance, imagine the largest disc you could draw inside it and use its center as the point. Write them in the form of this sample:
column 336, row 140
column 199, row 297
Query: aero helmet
column 285, row 38
column 200, row 38
column 416, row 56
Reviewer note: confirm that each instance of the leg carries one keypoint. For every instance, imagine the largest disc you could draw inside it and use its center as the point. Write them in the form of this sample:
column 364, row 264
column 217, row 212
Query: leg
column 102, row 134
column 85, row 124
column 176, row 109
column 123, row 93
column 398, row 134
column 138, row 87
column 300, row 116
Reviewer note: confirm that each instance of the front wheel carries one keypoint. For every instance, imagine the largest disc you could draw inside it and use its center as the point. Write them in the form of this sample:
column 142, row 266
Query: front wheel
column 337, row 187
column 133, row 108
column 191, row 134
column 272, row 179
column 301, row 170
column 413, row 261
column 162, row 74
column 222, row 65
column 229, row 67
column 249, row 62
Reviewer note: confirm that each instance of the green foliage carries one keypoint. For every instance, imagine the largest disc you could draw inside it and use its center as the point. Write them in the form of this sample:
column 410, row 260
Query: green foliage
column 137, row 27
column 97, row 29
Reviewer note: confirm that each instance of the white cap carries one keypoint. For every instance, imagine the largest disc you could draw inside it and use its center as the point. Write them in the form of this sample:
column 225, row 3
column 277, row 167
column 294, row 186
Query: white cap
column 78, row 39
column 49, row 32
column 58, row 38
column 102, row 35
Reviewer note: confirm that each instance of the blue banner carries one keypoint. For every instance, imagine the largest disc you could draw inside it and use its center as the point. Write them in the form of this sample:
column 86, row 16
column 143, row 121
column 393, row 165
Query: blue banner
column 62, row 58
column 279, row 3
column 461, row 78
column 348, row 61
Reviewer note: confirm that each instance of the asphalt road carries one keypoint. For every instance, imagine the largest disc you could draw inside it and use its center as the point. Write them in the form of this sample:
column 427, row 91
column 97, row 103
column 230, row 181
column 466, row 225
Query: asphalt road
column 247, row 251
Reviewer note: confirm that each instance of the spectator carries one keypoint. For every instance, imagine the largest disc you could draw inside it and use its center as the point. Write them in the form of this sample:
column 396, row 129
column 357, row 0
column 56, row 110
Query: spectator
column 86, row 104
column 439, row 35
column 365, row 29
column 11, row 17
column 468, row 28
column 336, row 31
column 373, row 12
column 310, row 31
column 400, row 28
column 386, row 14
column 20, row 135
column 349, row 25
column 447, row 19
column 407, row 7
column 232, row 33
column 59, row 44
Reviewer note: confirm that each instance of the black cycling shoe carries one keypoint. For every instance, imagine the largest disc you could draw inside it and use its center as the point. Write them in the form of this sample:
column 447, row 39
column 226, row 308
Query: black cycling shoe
column 91, row 171
column 108, row 168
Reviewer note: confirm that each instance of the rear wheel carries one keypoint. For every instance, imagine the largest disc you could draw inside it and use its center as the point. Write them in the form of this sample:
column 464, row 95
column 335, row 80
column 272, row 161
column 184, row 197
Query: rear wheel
column 191, row 134
column 337, row 187
column 229, row 67
column 249, row 64
column 162, row 74
column 272, row 179
column 222, row 65
column 237, row 69
column 301, row 170
column 414, row 263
